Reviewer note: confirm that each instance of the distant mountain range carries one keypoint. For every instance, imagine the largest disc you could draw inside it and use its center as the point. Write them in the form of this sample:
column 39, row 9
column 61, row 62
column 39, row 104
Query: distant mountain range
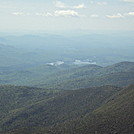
column 74, row 99
column 68, row 77
column 120, row 74
column 103, row 49
column 55, row 84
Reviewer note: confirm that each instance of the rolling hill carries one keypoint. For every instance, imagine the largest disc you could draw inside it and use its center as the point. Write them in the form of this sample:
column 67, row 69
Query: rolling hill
column 114, row 115
column 29, row 107
column 70, row 77
column 101, row 104
column 120, row 74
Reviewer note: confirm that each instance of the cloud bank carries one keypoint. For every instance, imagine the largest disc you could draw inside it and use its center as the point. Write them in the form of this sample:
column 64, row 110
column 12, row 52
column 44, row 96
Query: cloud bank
column 130, row 14
column 64, row 13
column 79, row 62
column 18, row 13
column 80, row 6
column 115, row 16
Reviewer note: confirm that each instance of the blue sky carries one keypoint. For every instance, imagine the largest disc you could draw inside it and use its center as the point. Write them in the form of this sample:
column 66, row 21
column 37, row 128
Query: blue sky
column 66, row 15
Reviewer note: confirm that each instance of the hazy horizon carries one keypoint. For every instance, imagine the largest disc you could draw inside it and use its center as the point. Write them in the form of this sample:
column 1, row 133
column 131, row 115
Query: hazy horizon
column 60, row 15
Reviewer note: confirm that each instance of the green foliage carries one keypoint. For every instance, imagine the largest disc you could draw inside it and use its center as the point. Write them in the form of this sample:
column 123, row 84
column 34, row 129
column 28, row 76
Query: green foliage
column 70, row 76
column 32, row 110
column 30, row 107
column 115, row 116
column 15, row 99
column 120, row 74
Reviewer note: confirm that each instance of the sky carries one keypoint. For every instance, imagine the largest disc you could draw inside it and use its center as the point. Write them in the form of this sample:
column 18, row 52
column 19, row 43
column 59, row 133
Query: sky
column 49, row 15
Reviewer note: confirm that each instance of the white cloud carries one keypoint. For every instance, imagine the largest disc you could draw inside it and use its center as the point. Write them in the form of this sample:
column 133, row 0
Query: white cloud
column 57, row 63
column 18, row 13
column 132, row 1
column 65, row 13
column 130, row 14
column 80, row 62
column 21, row 14
column 118, row 15
column 60, row 4
column 57, row 13
column 94, row 16
column 80, row 6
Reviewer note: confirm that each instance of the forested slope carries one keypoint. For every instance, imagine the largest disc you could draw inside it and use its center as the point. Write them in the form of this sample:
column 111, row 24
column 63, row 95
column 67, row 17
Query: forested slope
column 115, row 116
column 41, row 109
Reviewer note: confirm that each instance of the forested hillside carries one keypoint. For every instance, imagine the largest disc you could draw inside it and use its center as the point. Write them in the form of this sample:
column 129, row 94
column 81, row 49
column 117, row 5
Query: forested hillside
column 90, row 98
column 116, row 116
column 69, row 77
column 66, row 66
column 33, row 107
column 96, row 112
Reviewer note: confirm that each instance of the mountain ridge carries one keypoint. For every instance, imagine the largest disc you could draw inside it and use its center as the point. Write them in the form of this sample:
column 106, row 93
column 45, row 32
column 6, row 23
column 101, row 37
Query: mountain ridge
column 114, row 116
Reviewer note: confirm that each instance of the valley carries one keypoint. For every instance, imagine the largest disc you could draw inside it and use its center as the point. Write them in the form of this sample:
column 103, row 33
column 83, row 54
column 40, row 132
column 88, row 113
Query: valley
column 66, row 66
column 52, row 84
column 47, row 99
